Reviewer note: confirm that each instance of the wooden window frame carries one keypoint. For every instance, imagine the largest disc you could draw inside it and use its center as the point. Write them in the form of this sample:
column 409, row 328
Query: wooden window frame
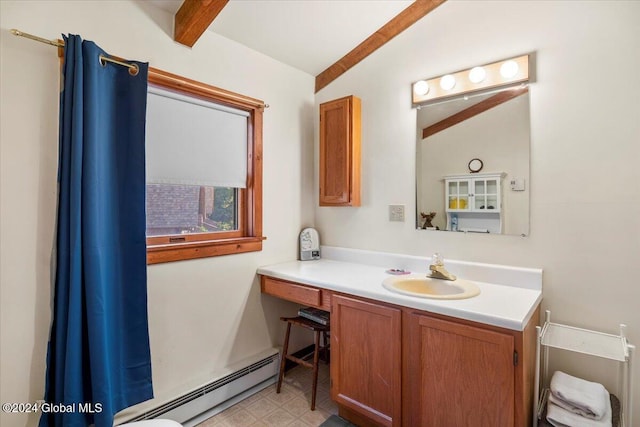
column 248, row 237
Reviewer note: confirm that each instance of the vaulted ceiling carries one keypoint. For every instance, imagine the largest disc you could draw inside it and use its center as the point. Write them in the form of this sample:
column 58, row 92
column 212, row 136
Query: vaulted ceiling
column 321, row 37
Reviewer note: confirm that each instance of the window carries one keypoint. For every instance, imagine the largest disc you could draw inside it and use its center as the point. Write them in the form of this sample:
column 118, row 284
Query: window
column 204, row 170
column 185, row 209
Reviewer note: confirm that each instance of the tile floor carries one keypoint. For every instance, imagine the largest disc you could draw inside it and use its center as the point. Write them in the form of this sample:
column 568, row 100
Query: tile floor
column 290, row 408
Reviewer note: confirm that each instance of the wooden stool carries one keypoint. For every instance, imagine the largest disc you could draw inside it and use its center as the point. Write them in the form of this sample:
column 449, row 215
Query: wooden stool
column 318, row 329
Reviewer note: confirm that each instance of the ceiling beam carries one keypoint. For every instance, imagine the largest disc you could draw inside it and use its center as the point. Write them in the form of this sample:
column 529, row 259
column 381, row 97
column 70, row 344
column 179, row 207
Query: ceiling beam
column 193, row 18
column 395, row 26
column 474, row 110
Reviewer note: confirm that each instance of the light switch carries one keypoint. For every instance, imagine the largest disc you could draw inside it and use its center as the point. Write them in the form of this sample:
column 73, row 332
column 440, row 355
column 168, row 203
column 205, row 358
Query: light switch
column 396, row 213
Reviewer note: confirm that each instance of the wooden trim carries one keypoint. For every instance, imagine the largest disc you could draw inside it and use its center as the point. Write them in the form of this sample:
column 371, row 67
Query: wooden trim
column 474, row 110
column 249, row 237
column 203, row 90
column 169, row 239
column 395, row 26
column 194, row 17
column 254, row 178
column 525, row 371
column 409, row 330
column 176, row 252
column 356, row 152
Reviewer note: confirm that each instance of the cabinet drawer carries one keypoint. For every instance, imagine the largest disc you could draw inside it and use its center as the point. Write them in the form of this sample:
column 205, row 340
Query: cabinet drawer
column 302, row 294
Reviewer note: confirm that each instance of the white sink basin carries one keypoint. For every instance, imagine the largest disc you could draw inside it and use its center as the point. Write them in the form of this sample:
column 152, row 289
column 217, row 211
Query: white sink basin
column 420, row 285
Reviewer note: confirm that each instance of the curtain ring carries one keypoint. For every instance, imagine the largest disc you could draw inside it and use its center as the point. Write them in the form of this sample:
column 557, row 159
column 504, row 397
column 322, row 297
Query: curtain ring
column 134, row 69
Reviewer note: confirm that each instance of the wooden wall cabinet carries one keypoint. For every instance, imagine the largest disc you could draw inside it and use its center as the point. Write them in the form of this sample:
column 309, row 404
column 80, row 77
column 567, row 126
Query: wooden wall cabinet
column 366, row 361
column 340, row 152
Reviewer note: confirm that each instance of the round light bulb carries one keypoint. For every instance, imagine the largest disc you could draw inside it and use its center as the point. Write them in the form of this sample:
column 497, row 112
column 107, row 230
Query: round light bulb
column 447, row 82
column 477, row 74
column 509, row 69
column 421, row 88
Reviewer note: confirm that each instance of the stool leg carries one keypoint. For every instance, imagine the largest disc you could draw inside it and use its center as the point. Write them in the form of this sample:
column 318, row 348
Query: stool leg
column 283, row 359
column 325, row 349
column 316, row 354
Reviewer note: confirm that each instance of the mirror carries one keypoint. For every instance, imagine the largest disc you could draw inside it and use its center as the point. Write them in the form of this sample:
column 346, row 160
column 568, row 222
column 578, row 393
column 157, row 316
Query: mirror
column 487, row 134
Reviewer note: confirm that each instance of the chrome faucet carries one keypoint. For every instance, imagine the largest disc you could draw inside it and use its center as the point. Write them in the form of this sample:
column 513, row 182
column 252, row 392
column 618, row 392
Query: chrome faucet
column 437, row 268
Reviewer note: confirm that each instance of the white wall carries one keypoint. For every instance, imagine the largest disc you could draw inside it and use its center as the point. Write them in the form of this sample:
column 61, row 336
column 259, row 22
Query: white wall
column 204, row 314
column 585, row 148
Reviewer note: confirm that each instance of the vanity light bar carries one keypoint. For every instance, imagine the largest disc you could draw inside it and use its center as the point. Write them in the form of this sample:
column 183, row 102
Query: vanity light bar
column 502, row 73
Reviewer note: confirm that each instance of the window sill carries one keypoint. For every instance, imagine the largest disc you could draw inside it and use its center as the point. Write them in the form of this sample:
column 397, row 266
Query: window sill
column 157, row 254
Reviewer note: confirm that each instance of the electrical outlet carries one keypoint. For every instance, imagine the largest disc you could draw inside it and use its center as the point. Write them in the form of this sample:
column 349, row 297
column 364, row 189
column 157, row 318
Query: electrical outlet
column 396, row 213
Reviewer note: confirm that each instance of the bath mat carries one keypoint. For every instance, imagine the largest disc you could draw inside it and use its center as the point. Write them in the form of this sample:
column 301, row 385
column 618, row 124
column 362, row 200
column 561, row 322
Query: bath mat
column 336, row 421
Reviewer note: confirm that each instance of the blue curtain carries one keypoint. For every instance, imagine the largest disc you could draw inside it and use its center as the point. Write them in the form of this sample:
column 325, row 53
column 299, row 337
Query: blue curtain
column 98, row 359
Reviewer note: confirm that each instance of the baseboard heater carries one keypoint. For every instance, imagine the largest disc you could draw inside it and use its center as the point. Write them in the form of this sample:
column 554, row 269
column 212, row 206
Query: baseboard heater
column 207, row 397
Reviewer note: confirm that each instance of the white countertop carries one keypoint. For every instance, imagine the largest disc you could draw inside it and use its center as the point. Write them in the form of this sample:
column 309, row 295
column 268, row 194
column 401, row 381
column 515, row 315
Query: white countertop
column 503, row 305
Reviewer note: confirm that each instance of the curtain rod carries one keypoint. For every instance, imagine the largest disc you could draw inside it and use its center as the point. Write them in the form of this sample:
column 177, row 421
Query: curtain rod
column 133, row 68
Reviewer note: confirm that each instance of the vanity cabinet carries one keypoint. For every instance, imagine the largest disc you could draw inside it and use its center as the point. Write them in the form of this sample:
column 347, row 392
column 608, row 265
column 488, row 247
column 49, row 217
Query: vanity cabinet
column 397, row 366
column 366, row 361
column 340, row 152
column 457, row 375
column 451, row 373
column 462, row 373
column 475, row 202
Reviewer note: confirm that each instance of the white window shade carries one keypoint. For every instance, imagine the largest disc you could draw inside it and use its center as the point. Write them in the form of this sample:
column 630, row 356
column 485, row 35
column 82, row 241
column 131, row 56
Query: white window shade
column 195, row 142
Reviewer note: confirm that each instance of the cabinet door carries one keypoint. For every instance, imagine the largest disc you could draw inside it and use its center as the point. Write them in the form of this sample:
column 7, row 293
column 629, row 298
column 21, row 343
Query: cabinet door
column 340, row 152
column 486, row 195
column 458, row 195
column 457, row 375
column 366, row 359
